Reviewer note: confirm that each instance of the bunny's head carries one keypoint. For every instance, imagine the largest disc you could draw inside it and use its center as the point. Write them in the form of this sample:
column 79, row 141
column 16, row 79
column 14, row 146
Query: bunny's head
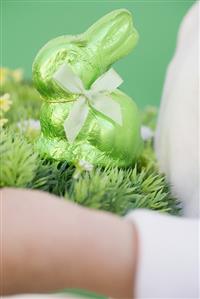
column 89, row 54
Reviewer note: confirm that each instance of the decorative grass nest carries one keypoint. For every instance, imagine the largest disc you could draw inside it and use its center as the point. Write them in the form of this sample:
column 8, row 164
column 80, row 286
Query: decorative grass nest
column 113, row 189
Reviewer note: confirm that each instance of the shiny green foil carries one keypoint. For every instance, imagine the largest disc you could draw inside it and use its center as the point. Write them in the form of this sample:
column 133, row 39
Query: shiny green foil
column 100, row 141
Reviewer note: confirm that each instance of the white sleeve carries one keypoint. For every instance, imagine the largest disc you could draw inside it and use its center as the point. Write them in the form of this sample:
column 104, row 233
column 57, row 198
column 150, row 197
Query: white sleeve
column 167, row 256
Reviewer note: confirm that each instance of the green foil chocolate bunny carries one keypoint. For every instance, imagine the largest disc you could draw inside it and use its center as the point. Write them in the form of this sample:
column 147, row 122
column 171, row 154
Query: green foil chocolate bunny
column 83, row 116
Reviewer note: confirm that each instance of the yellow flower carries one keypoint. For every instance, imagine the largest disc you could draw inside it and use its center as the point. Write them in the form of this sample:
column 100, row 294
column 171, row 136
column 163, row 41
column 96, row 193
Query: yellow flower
column 3, row 75
column 10, row 75
column 17, row 75
column 3, row 121
column 5, row 102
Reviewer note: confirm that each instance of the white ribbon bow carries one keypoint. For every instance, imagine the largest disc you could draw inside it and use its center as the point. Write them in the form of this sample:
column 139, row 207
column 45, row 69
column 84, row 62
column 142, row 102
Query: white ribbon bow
column 96, row 97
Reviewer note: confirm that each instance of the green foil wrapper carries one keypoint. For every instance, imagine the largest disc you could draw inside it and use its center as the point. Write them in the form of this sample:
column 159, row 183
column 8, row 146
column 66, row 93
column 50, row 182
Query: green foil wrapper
column 101, row 141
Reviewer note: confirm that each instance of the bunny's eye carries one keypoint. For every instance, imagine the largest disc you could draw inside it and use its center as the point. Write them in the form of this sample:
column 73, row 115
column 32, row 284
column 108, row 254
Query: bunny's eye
column 72, row 56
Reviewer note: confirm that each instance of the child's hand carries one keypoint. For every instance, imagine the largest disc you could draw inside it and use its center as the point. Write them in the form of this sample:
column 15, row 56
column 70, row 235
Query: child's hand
column 50, row 244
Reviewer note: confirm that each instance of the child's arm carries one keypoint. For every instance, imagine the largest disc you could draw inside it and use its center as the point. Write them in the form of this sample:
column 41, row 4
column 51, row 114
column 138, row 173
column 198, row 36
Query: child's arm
column 50, row 244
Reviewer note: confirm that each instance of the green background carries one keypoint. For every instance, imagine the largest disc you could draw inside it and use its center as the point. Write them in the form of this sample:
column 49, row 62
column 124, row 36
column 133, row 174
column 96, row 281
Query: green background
column 28, row 25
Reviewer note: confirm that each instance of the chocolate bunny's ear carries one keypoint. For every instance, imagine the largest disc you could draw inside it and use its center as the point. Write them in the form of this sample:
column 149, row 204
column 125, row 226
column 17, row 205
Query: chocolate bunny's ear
column 113, row 36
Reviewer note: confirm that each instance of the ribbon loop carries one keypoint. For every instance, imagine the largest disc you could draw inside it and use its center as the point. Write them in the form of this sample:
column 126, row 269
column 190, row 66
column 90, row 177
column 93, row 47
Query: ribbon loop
column 108, row 82
column 97, row 96
column 66, row 78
